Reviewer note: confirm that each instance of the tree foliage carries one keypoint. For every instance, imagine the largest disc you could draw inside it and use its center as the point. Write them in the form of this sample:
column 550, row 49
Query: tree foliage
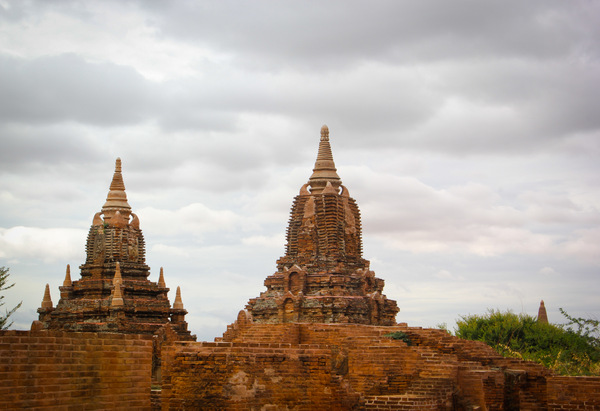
column 568, row 349
column 4, row 324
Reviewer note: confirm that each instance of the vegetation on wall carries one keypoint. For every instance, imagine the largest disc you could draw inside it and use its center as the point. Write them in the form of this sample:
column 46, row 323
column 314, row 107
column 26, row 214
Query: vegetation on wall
column 399, row 335
column 568, row 349
column 4, row 324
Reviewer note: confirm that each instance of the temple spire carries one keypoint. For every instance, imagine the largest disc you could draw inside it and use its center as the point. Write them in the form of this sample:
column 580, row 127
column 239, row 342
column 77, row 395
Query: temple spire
column 116, row 199
column 324, row 170
column 542, row 315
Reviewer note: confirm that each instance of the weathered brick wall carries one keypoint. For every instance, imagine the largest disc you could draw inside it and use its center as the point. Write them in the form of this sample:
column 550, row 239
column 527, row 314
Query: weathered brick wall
column 573, row 393
column 65, row 370
column 353, row 361
column 238, row 376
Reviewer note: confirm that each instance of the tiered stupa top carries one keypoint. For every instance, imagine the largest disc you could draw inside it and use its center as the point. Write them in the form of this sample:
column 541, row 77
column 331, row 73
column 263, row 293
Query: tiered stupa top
column 322, row 277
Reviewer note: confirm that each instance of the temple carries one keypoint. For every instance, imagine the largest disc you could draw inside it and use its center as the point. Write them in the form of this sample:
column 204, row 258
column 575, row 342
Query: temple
column 322, row 278
column 321, row 337
column 114, row 293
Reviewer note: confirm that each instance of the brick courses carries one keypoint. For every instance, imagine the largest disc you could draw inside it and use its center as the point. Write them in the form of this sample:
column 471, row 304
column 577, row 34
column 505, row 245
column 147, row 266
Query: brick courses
column 64, row 370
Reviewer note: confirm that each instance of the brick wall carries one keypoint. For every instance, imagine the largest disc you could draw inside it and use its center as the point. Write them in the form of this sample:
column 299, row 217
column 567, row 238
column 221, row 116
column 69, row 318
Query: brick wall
column 573, row 393
column 65, row 370
column 279, row 366
column 239, row 376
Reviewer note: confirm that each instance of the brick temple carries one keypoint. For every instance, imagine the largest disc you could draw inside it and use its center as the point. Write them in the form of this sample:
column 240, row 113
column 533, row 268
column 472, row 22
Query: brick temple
column 321, row 337
column 323, row 278
column 114, row 293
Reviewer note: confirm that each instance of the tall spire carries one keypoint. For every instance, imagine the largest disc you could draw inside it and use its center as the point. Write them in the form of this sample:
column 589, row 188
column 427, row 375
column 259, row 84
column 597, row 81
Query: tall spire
column 116, row 199
column 542, row 315
column 324, row 170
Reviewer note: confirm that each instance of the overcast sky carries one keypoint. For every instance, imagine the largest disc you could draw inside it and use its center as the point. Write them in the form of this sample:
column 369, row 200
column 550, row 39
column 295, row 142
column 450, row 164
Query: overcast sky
column 468, row 132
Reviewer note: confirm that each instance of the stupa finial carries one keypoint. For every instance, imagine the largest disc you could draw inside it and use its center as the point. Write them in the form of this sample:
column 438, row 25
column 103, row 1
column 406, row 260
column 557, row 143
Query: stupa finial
column 161, row 279
column 47, row 301
column 116, row 199
column 178, row 303
column 324, row 170
column 325, row 133
column 68, row 282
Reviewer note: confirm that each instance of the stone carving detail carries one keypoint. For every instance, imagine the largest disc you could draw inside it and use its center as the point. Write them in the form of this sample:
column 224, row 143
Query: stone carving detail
column 322, row 277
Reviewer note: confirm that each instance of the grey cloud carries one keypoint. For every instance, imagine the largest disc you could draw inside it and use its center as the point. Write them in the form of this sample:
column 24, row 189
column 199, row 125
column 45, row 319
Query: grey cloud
column 449, row 124
column 67, row 88
column 25, row 147
column 331, row 34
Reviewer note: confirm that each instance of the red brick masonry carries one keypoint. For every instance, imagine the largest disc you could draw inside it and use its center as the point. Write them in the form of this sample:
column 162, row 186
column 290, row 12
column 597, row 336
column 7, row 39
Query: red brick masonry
column 74, row 371
column 352, row 366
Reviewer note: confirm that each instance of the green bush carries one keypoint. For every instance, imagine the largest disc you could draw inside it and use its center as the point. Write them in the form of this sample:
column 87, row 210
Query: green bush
column 399, row 335
column 559, row 347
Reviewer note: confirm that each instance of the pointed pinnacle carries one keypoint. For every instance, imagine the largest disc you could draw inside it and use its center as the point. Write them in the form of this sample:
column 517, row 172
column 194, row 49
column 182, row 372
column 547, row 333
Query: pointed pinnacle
column 329, row 189
column 47, row 301
column 116, row 199
column 161, row 279
column 117, row 279
column 117, row 299
column 68, row 282
column 542, row 315
column 178, row 304
column 324, row 170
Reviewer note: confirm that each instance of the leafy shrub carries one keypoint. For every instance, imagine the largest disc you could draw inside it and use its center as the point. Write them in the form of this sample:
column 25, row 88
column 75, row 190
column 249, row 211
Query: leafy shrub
column 566, row 350
column 399, row 335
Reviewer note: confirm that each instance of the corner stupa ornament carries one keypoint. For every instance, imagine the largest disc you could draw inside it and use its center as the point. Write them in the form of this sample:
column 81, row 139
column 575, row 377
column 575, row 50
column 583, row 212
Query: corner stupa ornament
column 322, row 278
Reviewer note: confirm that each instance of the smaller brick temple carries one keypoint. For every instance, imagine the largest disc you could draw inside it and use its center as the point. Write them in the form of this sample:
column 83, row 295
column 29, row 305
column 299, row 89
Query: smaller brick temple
column 114, row 293
column 322, row 278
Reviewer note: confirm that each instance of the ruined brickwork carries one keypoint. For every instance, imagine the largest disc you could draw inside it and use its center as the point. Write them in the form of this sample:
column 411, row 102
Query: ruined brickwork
column 252, row 376
column 322, row 278
column 114, row 293
column 42, row 370
column 291, row 365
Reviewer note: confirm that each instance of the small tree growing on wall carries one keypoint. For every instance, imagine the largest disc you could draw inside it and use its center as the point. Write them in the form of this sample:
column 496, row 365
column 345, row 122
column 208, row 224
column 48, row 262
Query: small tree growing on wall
column 4, row 324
